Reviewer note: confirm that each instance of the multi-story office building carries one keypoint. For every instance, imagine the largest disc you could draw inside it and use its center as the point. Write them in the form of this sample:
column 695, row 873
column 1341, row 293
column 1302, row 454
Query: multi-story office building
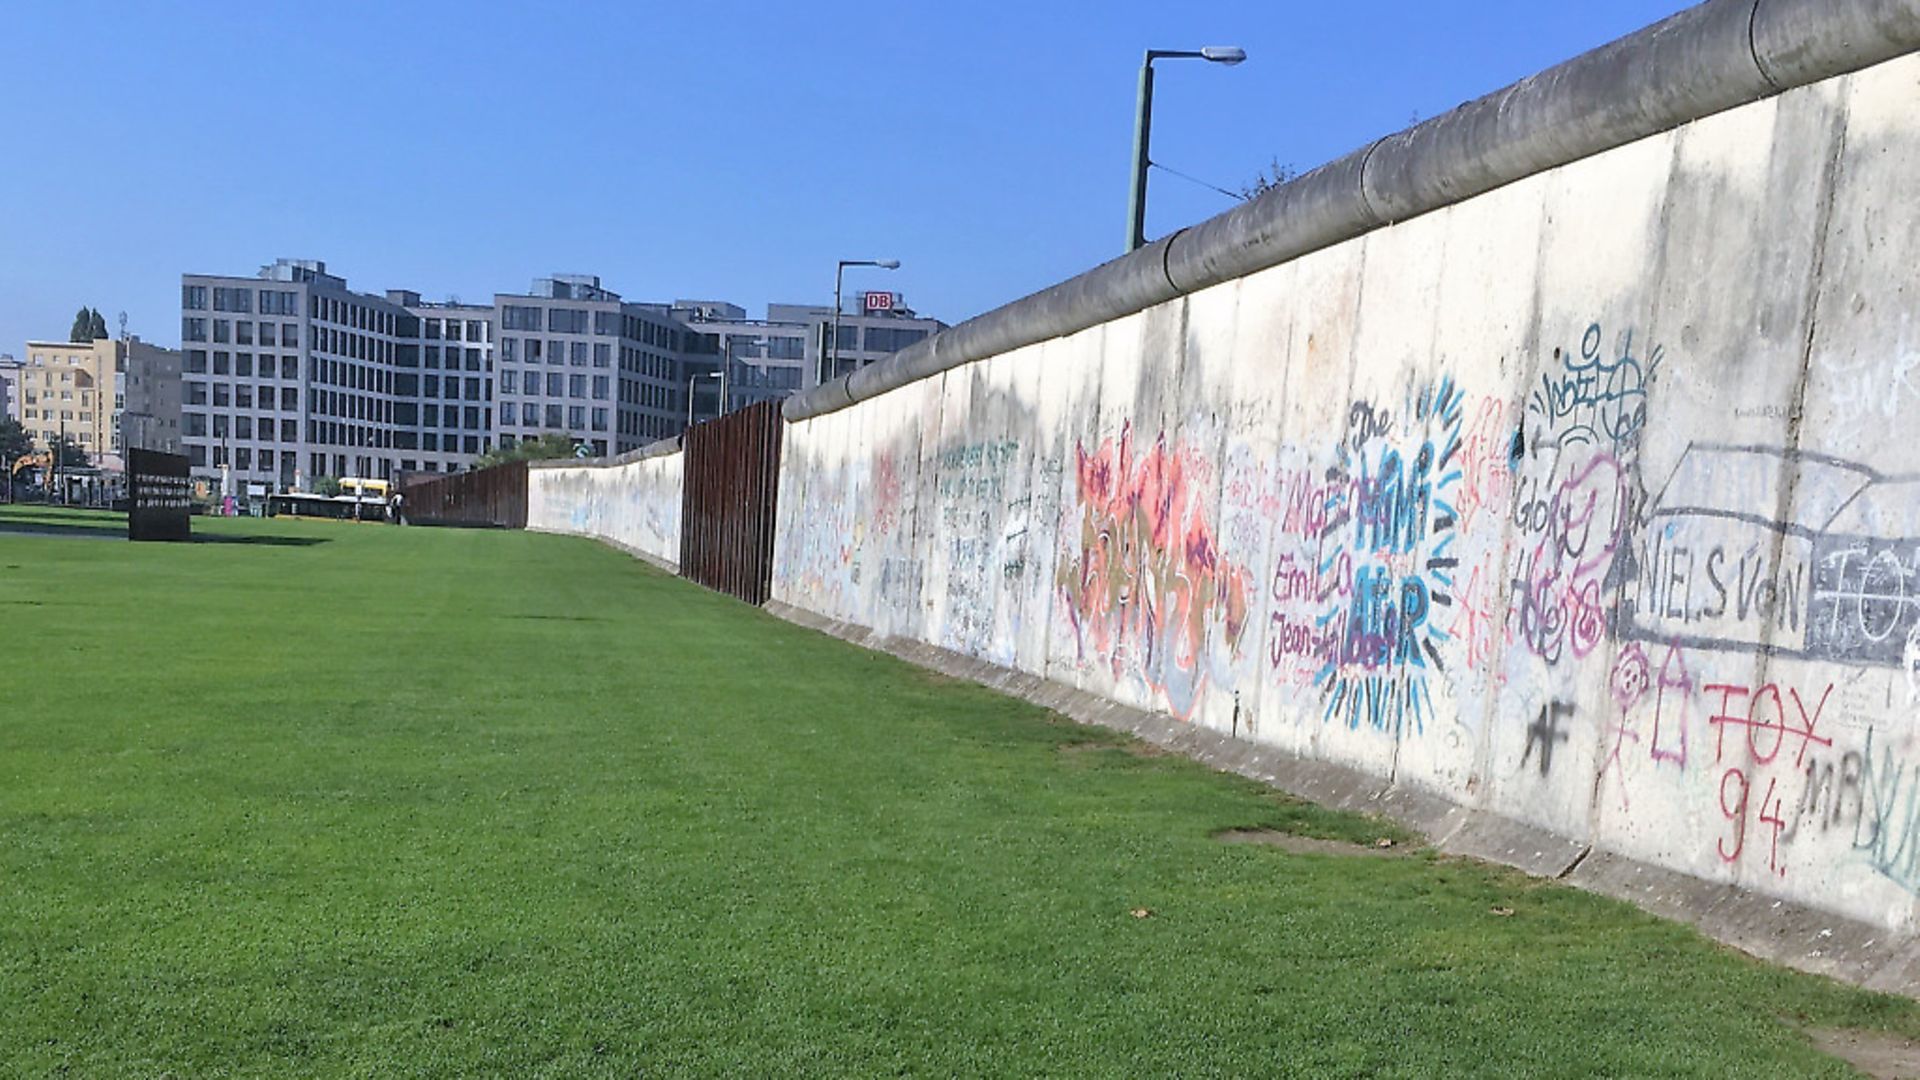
column 69, row 388
column 289, row 375
column 149, row 413
column 765, row 360
column 444, row 386
column 575, row 359
column 873, row 326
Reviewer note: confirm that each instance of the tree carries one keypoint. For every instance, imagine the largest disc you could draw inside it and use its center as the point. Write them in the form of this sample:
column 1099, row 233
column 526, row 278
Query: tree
column 325, row 486
column 88, row 325
column 1273, row 176
column 550, row 445
column 15, row 443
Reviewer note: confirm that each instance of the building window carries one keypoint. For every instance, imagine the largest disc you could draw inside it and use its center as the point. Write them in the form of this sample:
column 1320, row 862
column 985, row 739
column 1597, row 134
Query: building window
column 193, row 297
column 453, row 329
column 567, row 320
column 193, row 329
column 519, row 318
column 576, row 416
column 602, row 386
column 508, row 413
column 599, row 419
column 577, row 386
column 553, row 416
column 507, row 348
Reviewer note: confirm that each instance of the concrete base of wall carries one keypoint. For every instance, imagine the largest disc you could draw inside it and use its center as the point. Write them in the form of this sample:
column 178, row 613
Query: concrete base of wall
column 1774, row 930
column 657, row 563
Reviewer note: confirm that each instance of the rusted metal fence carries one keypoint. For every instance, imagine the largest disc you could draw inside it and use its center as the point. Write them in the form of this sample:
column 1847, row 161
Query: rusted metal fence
column 495, row 496
column 731, row 476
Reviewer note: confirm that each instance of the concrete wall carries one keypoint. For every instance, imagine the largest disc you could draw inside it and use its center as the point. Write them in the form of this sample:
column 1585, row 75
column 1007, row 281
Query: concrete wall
column 633, row 502
column 1587, row 502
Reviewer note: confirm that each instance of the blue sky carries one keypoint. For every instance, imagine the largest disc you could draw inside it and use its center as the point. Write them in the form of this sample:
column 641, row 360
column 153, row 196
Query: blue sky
column 713, row 150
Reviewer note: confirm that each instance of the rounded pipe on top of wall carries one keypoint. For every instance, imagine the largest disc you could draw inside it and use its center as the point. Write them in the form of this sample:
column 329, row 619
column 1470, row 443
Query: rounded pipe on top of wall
column 660, row 448
column 1717, row 56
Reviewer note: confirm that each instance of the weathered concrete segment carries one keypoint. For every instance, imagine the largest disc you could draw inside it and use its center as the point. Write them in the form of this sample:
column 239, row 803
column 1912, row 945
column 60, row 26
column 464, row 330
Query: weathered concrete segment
column 632, row 501
column 1576, row 516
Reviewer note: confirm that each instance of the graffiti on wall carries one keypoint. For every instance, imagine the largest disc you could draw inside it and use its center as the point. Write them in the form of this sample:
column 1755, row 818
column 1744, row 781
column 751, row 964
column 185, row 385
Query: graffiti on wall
column 1148, row 590
column 1677, row 626
column 1389, row 569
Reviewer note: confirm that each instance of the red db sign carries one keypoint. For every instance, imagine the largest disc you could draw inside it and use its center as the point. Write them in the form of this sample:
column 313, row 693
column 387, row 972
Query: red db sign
column 879, row 301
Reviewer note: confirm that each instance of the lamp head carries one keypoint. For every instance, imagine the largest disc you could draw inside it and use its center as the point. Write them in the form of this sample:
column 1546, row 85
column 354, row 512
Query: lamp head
column 1224, row 54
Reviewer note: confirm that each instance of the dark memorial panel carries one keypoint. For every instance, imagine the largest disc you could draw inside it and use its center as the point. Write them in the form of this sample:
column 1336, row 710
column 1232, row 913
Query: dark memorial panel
column 158, row 496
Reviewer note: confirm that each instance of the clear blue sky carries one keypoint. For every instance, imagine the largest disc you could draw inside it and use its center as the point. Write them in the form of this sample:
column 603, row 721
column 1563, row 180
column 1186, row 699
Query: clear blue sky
column 713, row 150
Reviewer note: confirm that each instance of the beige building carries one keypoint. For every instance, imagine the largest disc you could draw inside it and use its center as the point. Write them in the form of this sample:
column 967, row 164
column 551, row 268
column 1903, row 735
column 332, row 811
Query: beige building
column 68, row 387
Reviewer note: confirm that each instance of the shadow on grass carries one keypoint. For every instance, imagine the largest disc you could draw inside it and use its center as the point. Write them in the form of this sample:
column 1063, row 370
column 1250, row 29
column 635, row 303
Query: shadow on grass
column 268, row 541
column 119, row 532
column 48, row 528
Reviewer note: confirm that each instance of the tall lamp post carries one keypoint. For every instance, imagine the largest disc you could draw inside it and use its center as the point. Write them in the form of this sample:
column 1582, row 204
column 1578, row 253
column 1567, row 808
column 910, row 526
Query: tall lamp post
column 833, row 359
column 1143, row 124
column 694, row 381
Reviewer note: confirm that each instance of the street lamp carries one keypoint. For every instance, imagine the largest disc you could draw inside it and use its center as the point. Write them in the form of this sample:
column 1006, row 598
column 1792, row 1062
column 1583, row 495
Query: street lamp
column 697, row 376
column 833, row 362
column 1143, row 123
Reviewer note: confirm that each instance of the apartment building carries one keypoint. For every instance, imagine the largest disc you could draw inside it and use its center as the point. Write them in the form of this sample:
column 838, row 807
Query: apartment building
column 70, row 389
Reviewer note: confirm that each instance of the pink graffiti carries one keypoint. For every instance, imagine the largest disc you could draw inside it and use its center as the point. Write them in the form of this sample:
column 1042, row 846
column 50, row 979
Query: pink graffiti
column 1559, row 605
column 1149, row 586
column 1486, row 465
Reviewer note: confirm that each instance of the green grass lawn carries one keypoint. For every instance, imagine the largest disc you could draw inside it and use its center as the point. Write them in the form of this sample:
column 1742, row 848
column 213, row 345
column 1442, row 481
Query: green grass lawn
column 360, row 800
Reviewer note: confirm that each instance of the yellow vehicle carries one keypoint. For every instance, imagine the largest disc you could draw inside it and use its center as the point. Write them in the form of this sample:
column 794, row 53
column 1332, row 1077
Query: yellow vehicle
column 372, row 491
